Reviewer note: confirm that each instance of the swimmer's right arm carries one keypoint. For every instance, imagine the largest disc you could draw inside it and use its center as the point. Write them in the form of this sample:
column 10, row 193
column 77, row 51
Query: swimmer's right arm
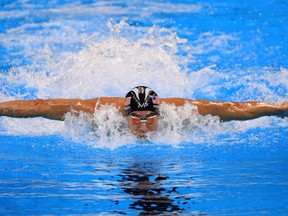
column 51, row 108
column 54, row 109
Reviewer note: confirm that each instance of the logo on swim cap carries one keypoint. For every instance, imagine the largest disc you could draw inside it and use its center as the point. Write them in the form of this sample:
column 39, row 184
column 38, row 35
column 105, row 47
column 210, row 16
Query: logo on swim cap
column 141, row 98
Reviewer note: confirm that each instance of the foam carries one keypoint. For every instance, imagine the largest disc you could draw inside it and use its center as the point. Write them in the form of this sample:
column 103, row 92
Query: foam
column 108, row 128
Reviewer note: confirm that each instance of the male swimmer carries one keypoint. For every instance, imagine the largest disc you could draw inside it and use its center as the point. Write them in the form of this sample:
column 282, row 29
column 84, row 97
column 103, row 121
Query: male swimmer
column 141, row 108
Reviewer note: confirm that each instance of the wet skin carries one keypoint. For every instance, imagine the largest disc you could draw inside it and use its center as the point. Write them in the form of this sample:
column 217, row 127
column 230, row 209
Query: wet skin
column 141, row 130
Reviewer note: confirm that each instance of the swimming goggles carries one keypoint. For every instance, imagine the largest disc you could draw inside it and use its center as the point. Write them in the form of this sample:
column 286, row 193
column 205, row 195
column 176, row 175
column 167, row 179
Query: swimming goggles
column 139, row 120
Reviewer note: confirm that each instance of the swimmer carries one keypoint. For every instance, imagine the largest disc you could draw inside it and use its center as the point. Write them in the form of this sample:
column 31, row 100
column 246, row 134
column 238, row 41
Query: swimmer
column 141, row 108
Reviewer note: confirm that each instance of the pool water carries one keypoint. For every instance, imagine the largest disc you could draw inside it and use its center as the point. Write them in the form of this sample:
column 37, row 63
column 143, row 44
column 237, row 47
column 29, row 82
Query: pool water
column 214, row 50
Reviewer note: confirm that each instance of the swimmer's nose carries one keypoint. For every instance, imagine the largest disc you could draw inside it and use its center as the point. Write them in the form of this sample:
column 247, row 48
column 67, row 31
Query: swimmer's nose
column 143, row 127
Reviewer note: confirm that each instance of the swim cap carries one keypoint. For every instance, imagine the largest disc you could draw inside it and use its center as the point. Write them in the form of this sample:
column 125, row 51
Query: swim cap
column 141, row 98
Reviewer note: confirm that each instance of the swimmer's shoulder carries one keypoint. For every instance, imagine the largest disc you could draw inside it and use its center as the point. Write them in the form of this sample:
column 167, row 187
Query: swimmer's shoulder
column 105, row 101
column 97, row 102
column 179, row 101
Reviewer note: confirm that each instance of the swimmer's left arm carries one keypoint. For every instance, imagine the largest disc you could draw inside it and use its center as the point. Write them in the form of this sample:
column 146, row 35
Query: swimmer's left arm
column 228, row 111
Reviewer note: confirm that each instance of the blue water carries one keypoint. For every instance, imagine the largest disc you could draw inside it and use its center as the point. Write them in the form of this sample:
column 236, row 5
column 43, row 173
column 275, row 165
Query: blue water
column 216, row 50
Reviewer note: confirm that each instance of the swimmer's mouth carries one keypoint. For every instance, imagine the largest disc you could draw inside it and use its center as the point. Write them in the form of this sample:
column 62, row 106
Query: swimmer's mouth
column 143, row 136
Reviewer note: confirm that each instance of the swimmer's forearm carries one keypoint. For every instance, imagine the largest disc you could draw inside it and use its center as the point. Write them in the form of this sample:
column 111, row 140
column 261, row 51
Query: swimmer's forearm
column 51, row 108
column 228, row 111
column 31, row 108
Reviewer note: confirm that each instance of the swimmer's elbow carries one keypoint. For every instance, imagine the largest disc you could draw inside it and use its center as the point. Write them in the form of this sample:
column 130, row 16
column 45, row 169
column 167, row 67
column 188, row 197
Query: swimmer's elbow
column 51, row 110
column 236, row 111
column 251, row 110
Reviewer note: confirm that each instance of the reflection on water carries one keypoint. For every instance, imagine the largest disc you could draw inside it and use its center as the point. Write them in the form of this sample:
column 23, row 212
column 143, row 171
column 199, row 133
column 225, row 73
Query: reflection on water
column 144, row 185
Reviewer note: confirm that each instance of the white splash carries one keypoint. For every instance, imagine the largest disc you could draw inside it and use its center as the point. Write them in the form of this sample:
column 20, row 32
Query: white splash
column 183, row 124
column 106, row 128
column 110, row 66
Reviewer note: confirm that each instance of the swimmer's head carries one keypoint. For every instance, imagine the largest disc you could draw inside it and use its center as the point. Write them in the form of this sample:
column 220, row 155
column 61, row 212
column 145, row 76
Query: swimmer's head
column 141, row 98
column 142, row 111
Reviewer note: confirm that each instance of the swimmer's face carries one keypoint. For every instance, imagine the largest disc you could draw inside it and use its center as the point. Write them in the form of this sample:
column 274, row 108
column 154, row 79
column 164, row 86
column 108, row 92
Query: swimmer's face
column 142, row 122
